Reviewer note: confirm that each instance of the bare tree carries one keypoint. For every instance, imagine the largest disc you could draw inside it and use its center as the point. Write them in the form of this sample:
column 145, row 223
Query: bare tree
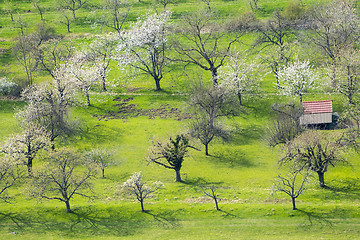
column 117, row 12
column 170, row 154
column 164, row 3
column 38, row 6
column 315, row 151
column 144, row 47
column 209, row 105
column 254, row 4
column 286, row 125
column 63, row 177
column 72, row 5
column 207, row 3
column 334, row 26
column 101, row 157
column 25, row 51
column 205, row 43
column 211, row 192
column 275, row 35
column 43, row 33
column 348, row 74
column 66, row 19
column 292, row 184
column 53, row 55
column 9, row 8
column 136, row 187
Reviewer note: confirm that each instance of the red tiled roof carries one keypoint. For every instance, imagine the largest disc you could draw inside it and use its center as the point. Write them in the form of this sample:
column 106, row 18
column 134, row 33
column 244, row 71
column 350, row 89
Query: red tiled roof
column 312, row 107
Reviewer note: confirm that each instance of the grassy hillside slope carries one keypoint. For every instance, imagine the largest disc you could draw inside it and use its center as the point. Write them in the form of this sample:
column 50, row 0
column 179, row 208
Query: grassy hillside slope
column 242, row 169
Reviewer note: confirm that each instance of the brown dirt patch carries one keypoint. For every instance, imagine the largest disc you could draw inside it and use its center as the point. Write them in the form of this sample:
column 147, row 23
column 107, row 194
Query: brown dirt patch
column 126, row 110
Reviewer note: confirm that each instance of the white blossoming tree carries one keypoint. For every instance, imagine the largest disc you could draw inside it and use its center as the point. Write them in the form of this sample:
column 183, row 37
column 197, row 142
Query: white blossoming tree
column 48, row 107
column 82, row 74
column 144, row 47
column 297, row 78
column 25, row 146
column 100, row 53
column 101, row 157
column 10, row 172
column 135, row 186
column 240, row 76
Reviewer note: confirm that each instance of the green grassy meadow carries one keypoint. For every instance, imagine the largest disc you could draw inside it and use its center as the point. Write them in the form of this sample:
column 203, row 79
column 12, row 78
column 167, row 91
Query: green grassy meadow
column 243, row 168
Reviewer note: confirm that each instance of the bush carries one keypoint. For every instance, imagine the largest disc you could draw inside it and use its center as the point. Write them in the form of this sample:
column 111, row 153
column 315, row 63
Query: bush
column 294, row 11
column 6, row 87
column 246, row 22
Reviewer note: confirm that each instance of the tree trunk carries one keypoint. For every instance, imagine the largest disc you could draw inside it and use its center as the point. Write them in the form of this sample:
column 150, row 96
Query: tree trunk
column 52, row 144
column 142, row 205
column 73, row 12
column 68, row 209
column 293, row 203
column 103, row 172
column 321, row 179
column 103, row 82
column 216, row 204
column 207, row 149
column 68, row 27
column 277, row 81
column 29, row 166
column 88, row 98
column 334, row 72
column 214, row 76
column 239, row 97
column 157, row 83
column 178, row 176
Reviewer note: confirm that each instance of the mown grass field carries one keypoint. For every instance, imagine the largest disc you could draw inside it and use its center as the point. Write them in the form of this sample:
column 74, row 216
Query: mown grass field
column 243, row 168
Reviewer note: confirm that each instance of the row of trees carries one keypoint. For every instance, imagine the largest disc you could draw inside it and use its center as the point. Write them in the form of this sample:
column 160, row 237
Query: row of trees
column 145, row 46
column 200, row 41
column 63, row 175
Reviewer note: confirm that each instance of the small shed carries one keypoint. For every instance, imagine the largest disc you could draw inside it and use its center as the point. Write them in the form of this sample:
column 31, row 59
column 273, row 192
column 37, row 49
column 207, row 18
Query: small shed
column 316, row 112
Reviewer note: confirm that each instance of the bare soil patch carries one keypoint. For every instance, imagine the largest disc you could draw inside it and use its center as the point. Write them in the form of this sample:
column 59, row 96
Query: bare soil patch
column 126, row 110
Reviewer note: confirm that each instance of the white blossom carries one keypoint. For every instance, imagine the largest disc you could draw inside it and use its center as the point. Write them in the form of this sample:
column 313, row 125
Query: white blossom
column 143, row 47
column 240, row 76
column 6, row 86
column 82, row 74
column 297, row 78
column 136, row 187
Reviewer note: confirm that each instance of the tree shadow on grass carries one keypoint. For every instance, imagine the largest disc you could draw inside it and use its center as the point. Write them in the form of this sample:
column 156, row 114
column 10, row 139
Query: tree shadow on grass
column 19, row 221
column 345, row 188
column 313, row 219
column 199, row 181
column 247, row 135
column 165, row 219
column 233, row 158
column 82, row 223
column 227, row 214
column 97, row 133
